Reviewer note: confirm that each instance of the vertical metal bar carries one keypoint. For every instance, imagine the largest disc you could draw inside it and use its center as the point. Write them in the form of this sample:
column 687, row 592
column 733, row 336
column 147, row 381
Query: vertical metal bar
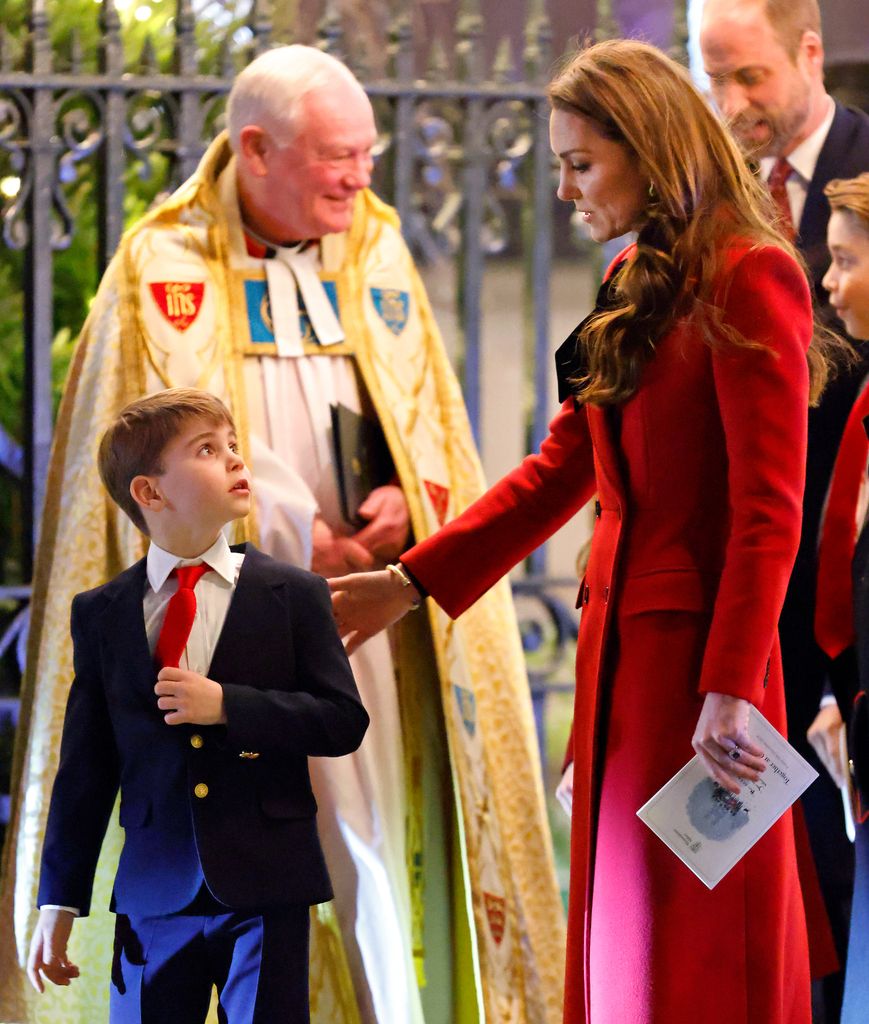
column 537, row 289
column 606, row 26
column 38, row 304
column 402, row 135
column 111, row 156
column 470, row 33
column 538, row 239
column 679, row 48
column 188, row 142
column 260, row 24
column 330, row 31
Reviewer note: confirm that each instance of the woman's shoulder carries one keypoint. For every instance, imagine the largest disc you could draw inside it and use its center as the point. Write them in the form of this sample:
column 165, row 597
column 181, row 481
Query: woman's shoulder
column 746, row 263
column 739, row 250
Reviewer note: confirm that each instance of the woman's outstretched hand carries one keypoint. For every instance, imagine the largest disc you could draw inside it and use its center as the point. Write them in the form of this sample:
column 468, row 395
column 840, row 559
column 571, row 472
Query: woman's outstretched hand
column 722, row 742
column 363, row 603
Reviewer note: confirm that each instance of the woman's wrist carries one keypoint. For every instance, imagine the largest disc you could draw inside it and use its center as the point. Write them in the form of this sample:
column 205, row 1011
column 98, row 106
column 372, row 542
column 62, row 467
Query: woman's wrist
column 414, row 597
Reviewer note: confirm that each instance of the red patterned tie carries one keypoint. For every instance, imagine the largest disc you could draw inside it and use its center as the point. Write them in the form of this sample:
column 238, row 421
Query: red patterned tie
column 180, row 613
column 778, row 190
column 834, row 613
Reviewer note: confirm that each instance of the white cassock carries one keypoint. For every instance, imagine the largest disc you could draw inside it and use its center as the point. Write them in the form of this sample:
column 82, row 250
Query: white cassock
column 361, row 796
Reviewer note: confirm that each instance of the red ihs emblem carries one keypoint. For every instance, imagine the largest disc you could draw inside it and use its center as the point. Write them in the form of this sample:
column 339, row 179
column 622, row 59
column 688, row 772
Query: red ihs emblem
column 497, row 913
column 179, row 301
column 440, row 499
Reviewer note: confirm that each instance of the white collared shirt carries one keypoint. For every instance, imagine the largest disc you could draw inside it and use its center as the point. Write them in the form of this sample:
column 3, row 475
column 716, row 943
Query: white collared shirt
column 213, row 593
column 803, row 160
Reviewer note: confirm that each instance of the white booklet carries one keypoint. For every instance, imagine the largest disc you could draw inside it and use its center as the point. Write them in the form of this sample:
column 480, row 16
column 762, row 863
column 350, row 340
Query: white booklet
column 710, row 828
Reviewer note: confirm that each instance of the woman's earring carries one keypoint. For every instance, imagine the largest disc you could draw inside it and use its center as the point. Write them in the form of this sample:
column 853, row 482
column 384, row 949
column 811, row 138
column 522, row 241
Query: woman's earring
column 653, row 195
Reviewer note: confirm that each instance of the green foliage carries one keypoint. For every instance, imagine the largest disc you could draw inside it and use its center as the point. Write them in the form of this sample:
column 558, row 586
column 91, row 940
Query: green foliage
column 76, row 39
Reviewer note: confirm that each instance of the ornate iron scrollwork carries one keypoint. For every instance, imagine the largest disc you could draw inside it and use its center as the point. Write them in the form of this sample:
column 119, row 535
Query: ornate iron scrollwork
column 15, row 117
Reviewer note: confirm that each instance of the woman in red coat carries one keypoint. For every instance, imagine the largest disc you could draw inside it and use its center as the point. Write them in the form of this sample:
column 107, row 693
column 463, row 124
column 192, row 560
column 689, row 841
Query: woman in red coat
column 685, row 403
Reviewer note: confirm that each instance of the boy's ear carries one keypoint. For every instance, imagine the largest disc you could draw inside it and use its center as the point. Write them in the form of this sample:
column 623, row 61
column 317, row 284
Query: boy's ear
column 146, row 493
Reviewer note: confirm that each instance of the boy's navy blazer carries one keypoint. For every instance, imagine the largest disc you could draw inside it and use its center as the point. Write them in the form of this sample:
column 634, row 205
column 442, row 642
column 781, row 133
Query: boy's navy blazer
column 228, row 804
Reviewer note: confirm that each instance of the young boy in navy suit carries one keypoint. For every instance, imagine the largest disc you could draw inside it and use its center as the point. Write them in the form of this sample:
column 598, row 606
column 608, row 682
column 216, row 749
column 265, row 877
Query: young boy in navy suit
column 201, row 701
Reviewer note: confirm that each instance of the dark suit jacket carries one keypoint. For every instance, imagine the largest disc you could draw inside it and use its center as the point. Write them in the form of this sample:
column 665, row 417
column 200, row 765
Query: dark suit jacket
column 845, row 154
column 288, row 692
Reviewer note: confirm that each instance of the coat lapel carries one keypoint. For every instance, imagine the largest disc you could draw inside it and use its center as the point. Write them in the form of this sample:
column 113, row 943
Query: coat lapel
column 816, row 212
column 124, row 616
column 610, row 476
column 245, row 613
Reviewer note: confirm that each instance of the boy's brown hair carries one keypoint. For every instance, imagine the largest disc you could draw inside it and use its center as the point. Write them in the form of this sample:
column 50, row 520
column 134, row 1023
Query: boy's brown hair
column 851, row 196
column 134, row 444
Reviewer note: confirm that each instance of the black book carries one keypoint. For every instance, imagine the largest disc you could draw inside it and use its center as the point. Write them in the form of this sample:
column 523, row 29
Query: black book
column 362, row 459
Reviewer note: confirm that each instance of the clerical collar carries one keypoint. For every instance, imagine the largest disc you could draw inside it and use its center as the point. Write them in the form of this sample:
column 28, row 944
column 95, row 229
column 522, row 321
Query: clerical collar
column 260, row 249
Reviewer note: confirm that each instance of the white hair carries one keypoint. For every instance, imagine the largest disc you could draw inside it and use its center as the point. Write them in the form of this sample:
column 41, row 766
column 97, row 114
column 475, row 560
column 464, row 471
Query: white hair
column 268, row 91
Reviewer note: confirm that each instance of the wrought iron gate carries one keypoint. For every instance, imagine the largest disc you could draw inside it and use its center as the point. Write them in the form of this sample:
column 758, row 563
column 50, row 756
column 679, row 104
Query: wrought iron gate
column 87, row 138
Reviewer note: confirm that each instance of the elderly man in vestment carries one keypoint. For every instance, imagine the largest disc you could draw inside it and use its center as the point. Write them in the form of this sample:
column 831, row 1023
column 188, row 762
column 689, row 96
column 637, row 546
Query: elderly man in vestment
column 274, row 278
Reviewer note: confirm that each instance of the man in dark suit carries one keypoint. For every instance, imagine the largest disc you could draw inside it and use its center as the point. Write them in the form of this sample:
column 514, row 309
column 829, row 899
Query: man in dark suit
column 221, row 858
column 765, row 63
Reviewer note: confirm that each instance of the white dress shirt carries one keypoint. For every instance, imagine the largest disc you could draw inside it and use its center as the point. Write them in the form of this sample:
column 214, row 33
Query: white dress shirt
column 803, row 160
column 213, row 593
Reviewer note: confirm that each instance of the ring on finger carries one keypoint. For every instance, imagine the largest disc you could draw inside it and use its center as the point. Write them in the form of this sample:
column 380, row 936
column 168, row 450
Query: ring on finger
column 734, row 753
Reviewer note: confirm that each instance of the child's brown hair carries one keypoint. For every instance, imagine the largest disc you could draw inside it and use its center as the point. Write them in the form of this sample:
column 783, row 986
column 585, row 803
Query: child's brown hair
column 133, row 445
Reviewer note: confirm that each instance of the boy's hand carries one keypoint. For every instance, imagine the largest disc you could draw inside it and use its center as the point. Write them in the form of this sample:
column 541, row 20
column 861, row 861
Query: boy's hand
column 48, row 949
column 189, row 697
column 825, row 735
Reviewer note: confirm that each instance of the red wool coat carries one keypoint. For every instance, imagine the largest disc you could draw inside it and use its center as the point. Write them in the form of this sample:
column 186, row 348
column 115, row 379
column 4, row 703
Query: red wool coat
column 699, row 483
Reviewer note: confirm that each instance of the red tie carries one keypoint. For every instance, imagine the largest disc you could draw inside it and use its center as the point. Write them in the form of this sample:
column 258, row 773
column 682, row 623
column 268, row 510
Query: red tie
column 180, row 613
column 834, row 612
column 776, row 184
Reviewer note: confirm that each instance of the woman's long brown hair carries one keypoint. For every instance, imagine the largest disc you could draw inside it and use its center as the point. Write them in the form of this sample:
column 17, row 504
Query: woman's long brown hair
column 702, row 195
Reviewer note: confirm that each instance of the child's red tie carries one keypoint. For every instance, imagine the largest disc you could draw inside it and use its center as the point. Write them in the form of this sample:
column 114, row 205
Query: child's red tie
column 834, row 611
column 180, row 613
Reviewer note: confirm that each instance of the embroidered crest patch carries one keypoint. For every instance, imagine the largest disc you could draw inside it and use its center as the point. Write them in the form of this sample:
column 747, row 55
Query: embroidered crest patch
column 496, row 912
column 392, row 307
column 467, row 703
column 259, row 314
column 178, row 301
column 440, row 499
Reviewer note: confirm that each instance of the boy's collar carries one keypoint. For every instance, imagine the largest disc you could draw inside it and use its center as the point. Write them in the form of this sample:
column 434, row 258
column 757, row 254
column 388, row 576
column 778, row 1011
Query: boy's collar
column 218, row 557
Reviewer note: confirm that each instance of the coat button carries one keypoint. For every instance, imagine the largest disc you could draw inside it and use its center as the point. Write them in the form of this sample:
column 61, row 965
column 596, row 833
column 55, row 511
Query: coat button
column 596, row 509
column 196, row 740
column 585, row 594
column 201, row 790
